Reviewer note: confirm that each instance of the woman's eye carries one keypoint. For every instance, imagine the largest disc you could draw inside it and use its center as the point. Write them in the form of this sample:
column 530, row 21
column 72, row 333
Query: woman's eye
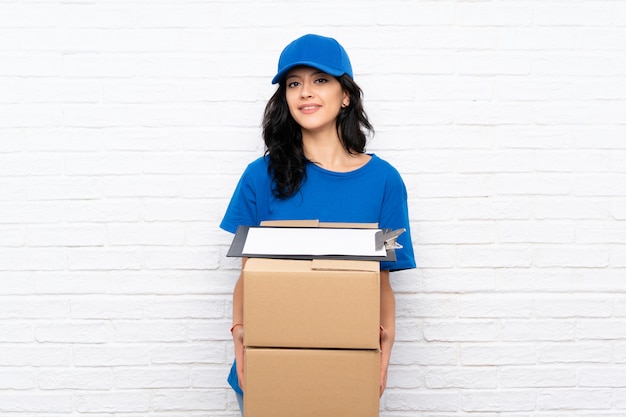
column 321, row 80
column 293, row 84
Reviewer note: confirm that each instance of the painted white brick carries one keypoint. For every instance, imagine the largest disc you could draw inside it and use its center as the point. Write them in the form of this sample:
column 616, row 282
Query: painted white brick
column 181, row 259
column 571, row 256
column 139, row 40
column 88, row 65
column 432, row 209
column 598, row 280
column 473, row 354
column 61, row 188
column 543, row 281
column 602, row 377
column 32, row 115
column 184, row 307
column 433, row 233
column 535, row 377
column 546, row 330
column 26, row 402
column 74, row 379
column 156, row 377
column 104, row 259
column 101, row 165
column 424, row 354
column 165, row 283
column 482, row 256
column 419, row 400
column 574, row 352
column 450, row 37
column 111, row 355
column 525, row 231
column 480, row 14
column 574, row 399
column 73, row 332
column 149, row 331
column 601, row 329
column 24, row 16
column 32, row 259
column 146, row 234
column 32, row 308
column 493, row 208
column 62, row 40
column 536, row 38
column 570, row 208
column 97, row 16
column 435, row 257
column 198, row 400
column 398, row 13
column 16, row 332
column 458, row 281
column 112, row 402
column 214, row 329
column 63, row 140
column 497, row 400
column 17, row 379
column 577, row 15
column 574, row 306
column 492, row 306
column 34, row 355
column 35, row 165
column 103, row 211
column 440, row 186
column 141, row 186
column 487, row 63
column 472, row 378
column 173, row 353
column 12, row 236
column 66, row 235
column 605, row 232
column 425, row 306
column 107, row 307
column 209, row 376
column 460, row 331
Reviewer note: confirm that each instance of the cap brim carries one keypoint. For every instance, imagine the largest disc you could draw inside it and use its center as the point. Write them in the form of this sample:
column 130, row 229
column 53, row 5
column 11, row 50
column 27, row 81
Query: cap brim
column 328, row 70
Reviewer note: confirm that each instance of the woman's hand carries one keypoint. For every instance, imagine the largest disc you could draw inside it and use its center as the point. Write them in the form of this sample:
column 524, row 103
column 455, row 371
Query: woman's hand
column 238, row 341
column 385, row 347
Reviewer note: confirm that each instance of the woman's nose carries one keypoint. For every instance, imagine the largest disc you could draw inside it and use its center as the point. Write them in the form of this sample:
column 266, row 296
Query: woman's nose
column 306, row 91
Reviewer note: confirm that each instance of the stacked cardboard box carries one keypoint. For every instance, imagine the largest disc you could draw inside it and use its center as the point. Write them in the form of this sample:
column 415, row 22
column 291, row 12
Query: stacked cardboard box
column 311, row 337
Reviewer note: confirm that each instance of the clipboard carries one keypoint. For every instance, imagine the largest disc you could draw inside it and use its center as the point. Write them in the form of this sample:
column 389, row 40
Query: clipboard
column 323, row 243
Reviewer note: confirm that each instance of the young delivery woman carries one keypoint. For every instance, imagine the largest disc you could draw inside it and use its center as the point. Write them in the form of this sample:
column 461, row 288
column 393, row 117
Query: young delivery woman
column 315, row 167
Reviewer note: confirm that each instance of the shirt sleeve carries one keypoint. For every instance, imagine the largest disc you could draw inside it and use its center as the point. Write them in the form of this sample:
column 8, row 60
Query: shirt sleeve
column 395, row 215
column 242, row 209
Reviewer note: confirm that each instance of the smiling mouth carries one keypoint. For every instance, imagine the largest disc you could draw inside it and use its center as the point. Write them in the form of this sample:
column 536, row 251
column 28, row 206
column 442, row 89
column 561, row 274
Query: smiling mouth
column 309, row 108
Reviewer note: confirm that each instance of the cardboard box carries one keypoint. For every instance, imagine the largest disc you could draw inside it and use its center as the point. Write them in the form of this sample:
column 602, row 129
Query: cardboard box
column 311, row 383
column 311, row 303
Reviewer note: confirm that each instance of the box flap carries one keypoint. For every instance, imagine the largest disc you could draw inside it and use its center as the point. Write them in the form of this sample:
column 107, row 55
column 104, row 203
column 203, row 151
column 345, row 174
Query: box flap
column 317, row 223
column 290, row 223
column 338, row 265
column 350, row 225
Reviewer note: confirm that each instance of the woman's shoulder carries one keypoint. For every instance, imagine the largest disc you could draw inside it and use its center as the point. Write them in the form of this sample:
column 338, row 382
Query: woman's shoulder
column 260, row 163
column 382, row 165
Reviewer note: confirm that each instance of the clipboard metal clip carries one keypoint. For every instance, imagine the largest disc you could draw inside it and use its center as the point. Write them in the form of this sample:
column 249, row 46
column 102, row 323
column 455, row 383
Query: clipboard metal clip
column 389, row 239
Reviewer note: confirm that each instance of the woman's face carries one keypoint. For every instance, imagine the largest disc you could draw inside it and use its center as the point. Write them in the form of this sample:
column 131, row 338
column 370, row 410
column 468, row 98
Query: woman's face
column 314, row 99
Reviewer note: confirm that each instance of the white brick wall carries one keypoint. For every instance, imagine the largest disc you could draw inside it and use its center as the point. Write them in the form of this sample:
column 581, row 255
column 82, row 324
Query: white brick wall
column 124, row 126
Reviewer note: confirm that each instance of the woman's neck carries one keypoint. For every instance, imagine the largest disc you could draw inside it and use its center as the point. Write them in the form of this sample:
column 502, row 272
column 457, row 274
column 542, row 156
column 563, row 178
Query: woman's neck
column 329, row 153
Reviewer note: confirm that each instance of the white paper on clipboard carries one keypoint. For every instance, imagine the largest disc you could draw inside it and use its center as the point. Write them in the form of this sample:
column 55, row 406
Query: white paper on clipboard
column 281, row 241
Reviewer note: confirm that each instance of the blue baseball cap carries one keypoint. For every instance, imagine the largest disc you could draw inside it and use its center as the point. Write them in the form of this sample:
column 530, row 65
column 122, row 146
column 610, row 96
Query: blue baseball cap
column 315, row 51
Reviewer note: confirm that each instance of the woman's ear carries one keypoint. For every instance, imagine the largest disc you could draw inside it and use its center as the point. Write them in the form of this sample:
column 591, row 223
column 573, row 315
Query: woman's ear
column 346, row 99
